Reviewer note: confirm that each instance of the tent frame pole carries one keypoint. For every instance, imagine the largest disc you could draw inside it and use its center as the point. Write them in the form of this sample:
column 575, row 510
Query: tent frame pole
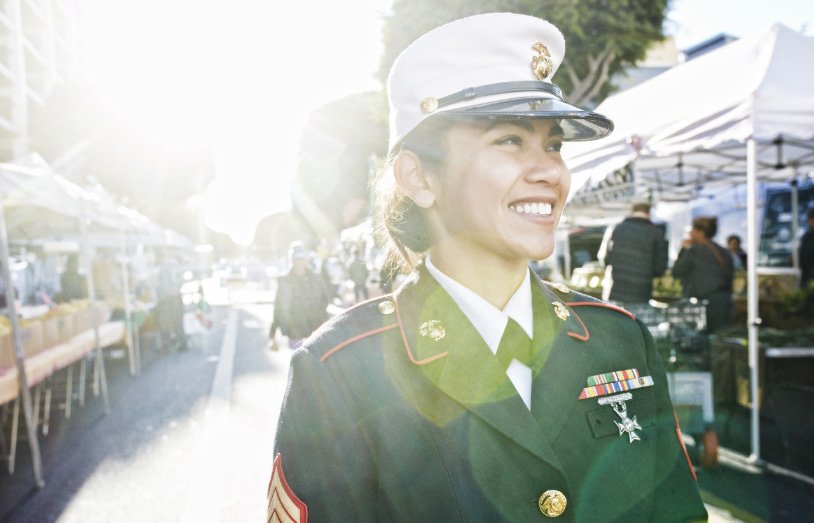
column 133, row 349
column 753, row 319
column 99, row 369
column 30, row 422
column 795, row 228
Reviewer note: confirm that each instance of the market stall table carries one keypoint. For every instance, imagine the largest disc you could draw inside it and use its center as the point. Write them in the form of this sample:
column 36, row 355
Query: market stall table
column 43, row 364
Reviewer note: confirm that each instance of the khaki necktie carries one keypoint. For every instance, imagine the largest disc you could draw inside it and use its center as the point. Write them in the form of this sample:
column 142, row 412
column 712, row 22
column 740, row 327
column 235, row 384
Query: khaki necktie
column 514, row 345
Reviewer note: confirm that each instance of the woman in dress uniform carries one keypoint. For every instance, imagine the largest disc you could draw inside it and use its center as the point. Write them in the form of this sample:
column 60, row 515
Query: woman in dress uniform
column 476, row 392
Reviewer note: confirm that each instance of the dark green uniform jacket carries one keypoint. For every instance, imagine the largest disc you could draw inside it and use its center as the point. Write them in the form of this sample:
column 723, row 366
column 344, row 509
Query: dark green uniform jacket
column 397, row 410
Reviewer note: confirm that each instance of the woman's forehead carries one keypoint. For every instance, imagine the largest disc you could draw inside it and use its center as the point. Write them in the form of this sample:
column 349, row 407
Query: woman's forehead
column 549, row 126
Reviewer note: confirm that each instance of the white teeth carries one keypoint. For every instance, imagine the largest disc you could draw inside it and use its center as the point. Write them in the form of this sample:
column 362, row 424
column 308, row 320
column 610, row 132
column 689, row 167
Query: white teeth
column 533, row 208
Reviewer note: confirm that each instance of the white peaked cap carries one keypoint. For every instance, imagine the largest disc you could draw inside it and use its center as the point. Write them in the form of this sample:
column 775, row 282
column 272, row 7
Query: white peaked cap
column 496, row 65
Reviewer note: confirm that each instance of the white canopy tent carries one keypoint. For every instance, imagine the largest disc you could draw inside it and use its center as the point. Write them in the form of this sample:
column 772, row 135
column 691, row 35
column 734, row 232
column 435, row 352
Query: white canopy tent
column 37, row 205
column 739, row 114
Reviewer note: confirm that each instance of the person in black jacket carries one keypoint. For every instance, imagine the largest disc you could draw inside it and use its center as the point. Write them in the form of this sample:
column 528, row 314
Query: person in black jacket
column 476, row 392
column 636, row 253
column 74, row 285
column 301, row 300
column 706, row 271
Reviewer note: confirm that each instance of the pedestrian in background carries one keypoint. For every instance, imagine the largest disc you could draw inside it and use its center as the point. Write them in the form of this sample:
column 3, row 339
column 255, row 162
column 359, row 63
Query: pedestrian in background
column 74, row 285
column 170, row 303
column 301, row 300
column 733, row 243
column 635, row 254
column 358, row 274
column 706, row 271
column 473, row 392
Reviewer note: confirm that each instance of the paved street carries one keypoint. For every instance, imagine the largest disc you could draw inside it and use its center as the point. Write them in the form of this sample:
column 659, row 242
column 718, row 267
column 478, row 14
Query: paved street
column 188, row 440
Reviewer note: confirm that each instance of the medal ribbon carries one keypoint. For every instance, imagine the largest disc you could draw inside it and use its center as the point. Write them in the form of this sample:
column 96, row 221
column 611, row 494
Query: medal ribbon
column 610, row 377
column 616, row 386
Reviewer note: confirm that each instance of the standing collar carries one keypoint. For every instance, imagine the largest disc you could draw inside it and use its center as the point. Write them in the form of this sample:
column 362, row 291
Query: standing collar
column 489, row 321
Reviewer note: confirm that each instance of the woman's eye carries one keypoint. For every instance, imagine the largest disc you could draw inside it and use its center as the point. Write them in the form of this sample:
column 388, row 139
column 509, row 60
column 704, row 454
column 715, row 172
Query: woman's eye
column 556, row 147
column 510, row 140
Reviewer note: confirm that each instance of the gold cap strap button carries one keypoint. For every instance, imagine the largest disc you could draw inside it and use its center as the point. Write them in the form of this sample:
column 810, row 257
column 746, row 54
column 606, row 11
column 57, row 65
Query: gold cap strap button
column 552, row 503
column 429, row 105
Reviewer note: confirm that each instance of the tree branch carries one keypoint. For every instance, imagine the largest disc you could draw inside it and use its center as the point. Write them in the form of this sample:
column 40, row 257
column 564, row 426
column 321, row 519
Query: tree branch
column 588, row 87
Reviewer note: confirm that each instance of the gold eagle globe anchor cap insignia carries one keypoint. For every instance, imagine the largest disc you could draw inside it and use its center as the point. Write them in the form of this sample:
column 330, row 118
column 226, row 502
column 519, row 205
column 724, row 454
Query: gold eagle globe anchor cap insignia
column 541, row 64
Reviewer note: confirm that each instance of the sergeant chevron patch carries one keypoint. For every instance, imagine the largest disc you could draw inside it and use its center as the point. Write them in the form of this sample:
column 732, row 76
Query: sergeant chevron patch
column 283, row 505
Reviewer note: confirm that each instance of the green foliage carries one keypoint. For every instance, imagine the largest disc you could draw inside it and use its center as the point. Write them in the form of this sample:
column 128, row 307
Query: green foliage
column 795, row 302
column 602, row 36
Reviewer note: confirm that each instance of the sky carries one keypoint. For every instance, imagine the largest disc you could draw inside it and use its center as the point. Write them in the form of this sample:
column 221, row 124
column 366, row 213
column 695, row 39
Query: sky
column 244, row 75
column 693, row 21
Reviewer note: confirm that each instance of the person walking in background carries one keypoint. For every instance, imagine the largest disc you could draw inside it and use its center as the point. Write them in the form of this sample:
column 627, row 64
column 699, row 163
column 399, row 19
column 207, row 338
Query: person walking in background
column 635, row 254
column 301, row 301
column 74, row 285
column 358, row 274
column 706, row 271
column 738, row 254
column 170, row 305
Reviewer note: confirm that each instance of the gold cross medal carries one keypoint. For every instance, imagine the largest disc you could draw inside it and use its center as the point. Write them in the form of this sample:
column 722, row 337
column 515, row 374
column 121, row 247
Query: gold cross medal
column 628, row 424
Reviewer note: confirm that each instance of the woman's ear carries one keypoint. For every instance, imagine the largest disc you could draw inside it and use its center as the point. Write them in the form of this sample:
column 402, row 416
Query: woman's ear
column 413, row 179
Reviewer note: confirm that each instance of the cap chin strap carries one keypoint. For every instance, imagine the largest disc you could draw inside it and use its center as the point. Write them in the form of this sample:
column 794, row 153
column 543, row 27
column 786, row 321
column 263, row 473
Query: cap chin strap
column 500, row 88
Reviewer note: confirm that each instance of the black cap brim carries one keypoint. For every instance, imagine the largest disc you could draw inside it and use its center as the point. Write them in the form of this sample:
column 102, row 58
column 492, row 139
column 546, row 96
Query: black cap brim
column 578, row 124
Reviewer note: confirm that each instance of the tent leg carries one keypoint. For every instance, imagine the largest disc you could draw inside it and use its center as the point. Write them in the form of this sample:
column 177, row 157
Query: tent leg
column 137, row 343
column 37, row 394
column 131, row 355
column 83, row 372
column 22, row 377
column 753, row 320
column 15, row 426
column 795, row 226
column 95, row 377
column 69, row 392
column 46, row 417
column 99, row 370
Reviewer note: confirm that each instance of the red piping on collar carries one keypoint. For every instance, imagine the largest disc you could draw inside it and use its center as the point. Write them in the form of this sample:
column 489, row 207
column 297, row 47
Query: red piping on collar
column 356, row 338
column 584, row 328
column 606, row 305
column 407, row 346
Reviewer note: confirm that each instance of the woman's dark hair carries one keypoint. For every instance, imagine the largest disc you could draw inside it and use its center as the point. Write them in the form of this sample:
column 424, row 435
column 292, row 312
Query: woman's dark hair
column 706, row 224
column 402, row 226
